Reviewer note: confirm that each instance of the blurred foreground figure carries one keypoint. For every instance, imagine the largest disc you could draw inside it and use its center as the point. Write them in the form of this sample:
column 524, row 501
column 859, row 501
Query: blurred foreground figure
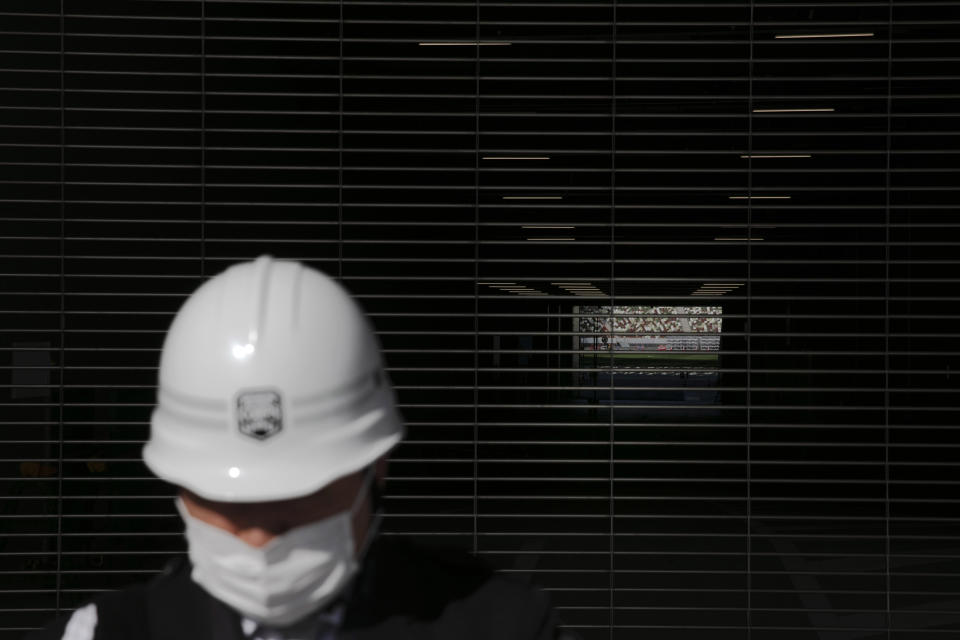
column 274, row 419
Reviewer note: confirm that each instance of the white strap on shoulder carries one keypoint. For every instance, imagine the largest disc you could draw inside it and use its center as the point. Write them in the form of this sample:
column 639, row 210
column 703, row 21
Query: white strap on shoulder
column 81, row 624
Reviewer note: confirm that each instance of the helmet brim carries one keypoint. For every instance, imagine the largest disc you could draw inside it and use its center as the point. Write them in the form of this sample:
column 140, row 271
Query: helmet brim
column 271, row 470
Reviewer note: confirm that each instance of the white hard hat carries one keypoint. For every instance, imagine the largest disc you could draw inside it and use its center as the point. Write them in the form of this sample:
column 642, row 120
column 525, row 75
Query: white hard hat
column 271, row 386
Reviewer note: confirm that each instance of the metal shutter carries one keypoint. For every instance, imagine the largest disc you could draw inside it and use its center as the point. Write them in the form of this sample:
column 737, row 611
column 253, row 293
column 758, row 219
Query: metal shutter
column 753, row 202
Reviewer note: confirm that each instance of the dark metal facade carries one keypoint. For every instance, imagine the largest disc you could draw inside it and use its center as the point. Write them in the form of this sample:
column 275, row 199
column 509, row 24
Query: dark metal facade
column 746, row 430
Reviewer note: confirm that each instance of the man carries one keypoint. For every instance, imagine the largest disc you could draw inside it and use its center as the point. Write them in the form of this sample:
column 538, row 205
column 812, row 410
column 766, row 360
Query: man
column 274, row 420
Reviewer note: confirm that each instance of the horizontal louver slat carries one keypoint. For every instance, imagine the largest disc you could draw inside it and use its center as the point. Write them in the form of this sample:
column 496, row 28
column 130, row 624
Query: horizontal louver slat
column 785, row 466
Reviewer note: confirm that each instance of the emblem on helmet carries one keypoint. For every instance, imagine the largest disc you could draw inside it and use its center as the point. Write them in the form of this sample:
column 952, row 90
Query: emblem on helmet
column 259, row 414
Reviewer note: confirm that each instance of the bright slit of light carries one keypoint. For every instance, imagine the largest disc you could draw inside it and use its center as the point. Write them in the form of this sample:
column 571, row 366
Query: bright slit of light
column 461, row 44
column 242, row 351
column 827, row 35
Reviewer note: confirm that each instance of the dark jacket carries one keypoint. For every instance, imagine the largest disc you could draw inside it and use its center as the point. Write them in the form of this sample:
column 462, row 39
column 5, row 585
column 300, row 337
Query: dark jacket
column 402, row 592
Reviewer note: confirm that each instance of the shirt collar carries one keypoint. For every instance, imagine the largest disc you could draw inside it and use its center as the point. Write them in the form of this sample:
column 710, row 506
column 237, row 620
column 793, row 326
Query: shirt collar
column 307, row 629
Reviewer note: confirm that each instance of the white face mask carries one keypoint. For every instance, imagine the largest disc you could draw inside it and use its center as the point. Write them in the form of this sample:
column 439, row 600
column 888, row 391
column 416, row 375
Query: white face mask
column 293, row 575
